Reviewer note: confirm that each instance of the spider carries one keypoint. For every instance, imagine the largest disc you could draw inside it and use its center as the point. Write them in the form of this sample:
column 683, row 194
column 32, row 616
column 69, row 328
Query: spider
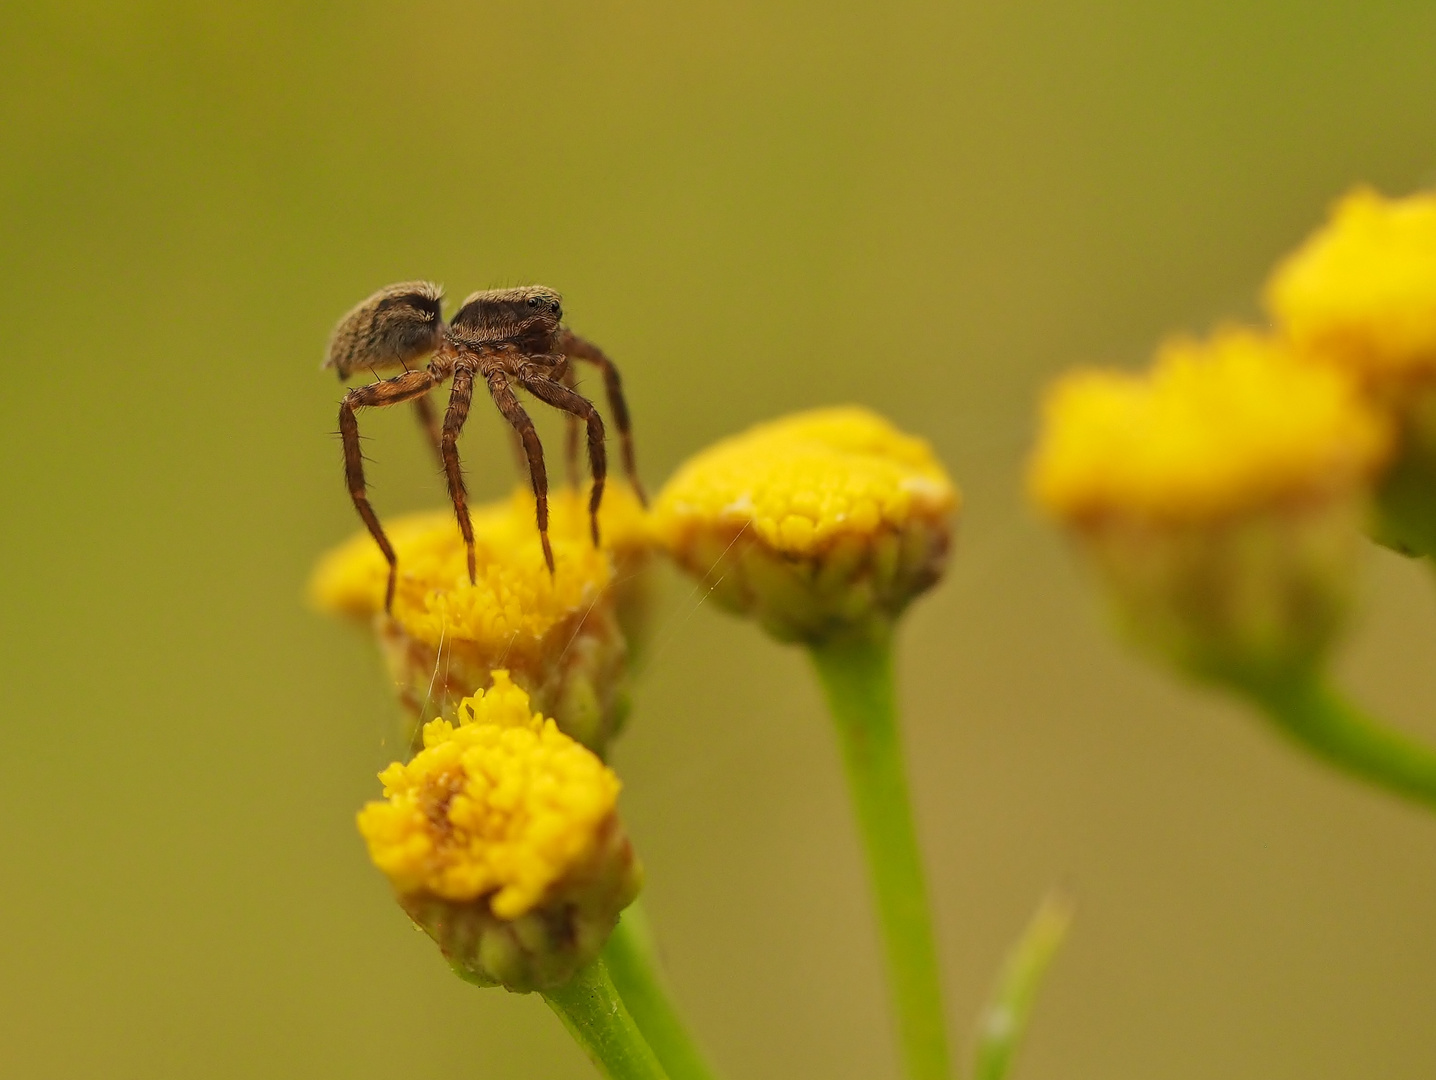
column 507, row 338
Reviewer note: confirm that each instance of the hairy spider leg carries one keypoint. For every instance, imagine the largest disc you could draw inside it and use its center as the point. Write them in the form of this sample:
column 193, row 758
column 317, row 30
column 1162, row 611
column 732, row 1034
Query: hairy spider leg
column 571, row 424
column 571, row 345
column 401, row 388
column 516, row 448
column 429, row 421
column 459, row 398
column 508, row 404
column 547, row 390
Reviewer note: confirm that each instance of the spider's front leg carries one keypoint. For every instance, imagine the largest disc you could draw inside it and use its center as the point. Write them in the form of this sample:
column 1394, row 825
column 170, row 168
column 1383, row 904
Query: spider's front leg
column 538, row 383
column 411, row 384
column 508, row 404
column 578, row 348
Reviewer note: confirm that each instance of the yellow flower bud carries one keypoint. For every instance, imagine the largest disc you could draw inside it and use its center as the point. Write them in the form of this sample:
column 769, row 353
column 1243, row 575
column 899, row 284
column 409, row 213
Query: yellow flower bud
column 502, row 840
column 819, row 524
column 561, row 634
column 1360, row 294
column 1219, row 496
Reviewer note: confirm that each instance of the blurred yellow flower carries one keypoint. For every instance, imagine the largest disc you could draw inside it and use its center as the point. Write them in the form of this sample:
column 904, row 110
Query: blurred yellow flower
column 560, row 634
column 501, row 816
column 1360, row 295
column 813, row 523
column 1215, row 428
column 1362, row 290
column 1219, row 496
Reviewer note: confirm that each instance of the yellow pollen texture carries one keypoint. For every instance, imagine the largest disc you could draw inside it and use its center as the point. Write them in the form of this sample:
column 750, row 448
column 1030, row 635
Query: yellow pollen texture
column 501, row 806
column 515, row 601
column 801, row 482
column 1215, row 428
column 1362, row 290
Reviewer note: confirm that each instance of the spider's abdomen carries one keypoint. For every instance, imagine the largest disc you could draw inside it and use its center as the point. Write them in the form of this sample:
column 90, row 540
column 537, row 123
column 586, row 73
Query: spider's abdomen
column 397, row 326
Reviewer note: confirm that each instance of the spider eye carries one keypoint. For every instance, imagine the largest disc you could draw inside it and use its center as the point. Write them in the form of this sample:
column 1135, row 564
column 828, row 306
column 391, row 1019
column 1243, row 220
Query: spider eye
column 557, row 311
column 533, row 301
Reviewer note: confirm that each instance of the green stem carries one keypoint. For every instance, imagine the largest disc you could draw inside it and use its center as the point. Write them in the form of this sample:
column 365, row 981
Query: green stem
column 1321, row 719
column 857, row 676
column 632, row 962
column 594, row 1014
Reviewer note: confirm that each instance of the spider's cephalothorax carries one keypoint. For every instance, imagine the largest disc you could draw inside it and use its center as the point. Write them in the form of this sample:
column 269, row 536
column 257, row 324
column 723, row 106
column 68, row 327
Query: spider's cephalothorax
column 506, row 337
column 527, row 317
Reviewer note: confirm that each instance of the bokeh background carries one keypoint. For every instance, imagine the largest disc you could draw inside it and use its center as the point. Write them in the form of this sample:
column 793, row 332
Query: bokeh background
column 926, row 207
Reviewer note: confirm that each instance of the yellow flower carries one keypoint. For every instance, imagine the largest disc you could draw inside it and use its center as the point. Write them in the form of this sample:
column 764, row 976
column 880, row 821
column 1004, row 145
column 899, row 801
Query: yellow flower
column 559, row 633
column 1360, row 295
column 1362, row 290
column 1219, row 495
column 817, row 523
column 502, row 840
column 1217, row 428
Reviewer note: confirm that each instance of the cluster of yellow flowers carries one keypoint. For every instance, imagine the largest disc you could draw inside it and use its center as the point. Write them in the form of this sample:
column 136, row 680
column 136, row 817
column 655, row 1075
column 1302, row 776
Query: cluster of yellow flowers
column 501, row 835
column 1220, row 493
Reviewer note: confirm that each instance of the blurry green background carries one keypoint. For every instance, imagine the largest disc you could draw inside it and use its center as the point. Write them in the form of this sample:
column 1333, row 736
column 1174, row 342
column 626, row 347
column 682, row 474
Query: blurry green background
column 929, row 208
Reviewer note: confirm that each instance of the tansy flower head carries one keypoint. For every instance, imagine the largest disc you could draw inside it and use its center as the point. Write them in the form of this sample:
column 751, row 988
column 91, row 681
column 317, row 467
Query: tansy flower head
column 817, row 524
column 559, row 633
column 1219, row 496
column 502, row 840
column 1362, row 290
column 1361, row 295
column 1215, row 429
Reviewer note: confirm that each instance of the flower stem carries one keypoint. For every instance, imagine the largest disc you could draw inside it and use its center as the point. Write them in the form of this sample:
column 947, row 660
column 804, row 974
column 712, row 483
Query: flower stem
column 594, row 1014
column 632, row 962
column 857, row 676
column 1306, row 709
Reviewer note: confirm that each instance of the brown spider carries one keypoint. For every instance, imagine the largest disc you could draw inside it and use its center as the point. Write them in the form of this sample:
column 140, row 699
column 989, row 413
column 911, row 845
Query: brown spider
column 503, row 336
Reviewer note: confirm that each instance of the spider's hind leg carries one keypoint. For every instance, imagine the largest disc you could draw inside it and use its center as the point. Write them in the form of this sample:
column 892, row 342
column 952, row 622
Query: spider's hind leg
column 579, row 348
column 561, row 397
